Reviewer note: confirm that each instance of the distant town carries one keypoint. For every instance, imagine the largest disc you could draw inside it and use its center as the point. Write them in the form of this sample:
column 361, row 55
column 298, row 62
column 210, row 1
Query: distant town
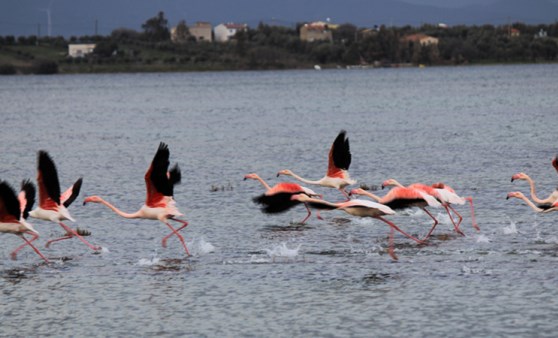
column 200, row 46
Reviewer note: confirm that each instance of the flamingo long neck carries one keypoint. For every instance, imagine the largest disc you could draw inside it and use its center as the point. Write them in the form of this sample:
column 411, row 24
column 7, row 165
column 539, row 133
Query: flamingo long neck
column 371, row 195
column 322, row 202
column 533, row 192
column 118, row 211
column 529, row 203
column 397, row 184
column 264, row 183
column 318, row 182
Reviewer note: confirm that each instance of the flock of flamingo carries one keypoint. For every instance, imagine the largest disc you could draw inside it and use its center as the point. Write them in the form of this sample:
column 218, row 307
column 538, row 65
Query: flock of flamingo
column 160, row 204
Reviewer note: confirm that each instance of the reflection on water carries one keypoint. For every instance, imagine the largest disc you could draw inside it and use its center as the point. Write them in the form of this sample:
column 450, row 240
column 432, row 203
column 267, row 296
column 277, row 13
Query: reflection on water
column 252, row 274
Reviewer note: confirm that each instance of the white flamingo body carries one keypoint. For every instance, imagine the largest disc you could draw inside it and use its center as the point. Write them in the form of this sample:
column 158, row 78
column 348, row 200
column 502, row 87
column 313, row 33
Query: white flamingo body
column 359, row 208
column 159, row 204
column 53, row 204
column 13, row 211
column 339, row 160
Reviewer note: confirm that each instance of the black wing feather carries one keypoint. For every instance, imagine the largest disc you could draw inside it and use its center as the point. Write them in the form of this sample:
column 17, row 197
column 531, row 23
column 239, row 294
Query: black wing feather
column 175, row 176
column 75, row 192
column 404, row 203
column 276, row 203
column 160, row 165
column 341, row 151
column 50, row 176
column 9, row 199
column 30, row 194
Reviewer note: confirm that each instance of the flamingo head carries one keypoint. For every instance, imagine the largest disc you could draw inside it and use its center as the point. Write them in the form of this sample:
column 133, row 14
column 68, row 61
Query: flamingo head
column 519, row 176
column 357, row 191
column 286, row 172
column 252, row 176
column 438, row 185
column 515, row 194
column 555, row 162
column 390, row 183
column 92, row 199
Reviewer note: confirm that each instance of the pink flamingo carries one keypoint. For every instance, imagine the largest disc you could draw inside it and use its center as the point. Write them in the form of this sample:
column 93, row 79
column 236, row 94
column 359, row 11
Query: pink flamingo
column 277, row 199
column 403, row 198
column 160, row 204
column 553, row 197
column 337, row 175
column 359, row 208
column 13, row 212
column 545, row 208
column 430, row 191
column 53, row 205
column 450, row 197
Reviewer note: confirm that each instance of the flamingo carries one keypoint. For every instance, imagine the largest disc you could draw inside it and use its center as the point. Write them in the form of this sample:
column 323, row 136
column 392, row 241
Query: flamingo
column 553, row 197
column 430, row 191
column 359, row 208
column 403, row 198
column 450, row 197
column 13, row 212
column 276, row 199
column 544, row 208
column 53, row 205
column 337, row 175
column 160, row 204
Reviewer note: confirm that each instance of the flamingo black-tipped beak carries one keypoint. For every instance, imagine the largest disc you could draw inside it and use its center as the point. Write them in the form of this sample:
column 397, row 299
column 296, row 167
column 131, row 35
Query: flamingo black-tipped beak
column 278, row 175
column 244, row 179
column 512, row 179
column 383, row 186
column 84, row 203
column 507, row 197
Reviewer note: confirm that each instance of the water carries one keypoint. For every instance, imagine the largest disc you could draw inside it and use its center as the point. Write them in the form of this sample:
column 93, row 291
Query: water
column 255, row 275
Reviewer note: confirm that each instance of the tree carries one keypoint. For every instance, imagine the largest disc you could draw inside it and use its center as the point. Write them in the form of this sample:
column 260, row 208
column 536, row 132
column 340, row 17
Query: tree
column 156, row 28
column 182, row 33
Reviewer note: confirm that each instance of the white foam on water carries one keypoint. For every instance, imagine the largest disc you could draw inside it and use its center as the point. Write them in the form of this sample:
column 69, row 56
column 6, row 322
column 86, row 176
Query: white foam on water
column 482, row 239
column 511, row 229
column 199, row 247
column 149, row 261
column 104, row 250
column 282, row 250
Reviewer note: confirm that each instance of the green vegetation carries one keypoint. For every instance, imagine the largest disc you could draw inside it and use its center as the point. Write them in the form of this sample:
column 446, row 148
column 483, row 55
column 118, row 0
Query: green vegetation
column 276, row 47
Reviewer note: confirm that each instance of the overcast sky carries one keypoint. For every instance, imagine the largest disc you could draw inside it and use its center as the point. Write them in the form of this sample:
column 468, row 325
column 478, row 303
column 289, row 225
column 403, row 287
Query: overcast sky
column 84, row 17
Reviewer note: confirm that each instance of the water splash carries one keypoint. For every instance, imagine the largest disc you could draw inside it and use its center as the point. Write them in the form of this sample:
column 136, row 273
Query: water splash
column 154, row 260
column 511, row 229
column 282, row 251
column 200, row 247
column 483, row 239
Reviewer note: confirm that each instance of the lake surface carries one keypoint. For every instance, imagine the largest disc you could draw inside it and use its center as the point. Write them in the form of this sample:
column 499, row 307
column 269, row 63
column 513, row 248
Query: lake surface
column 252, row 274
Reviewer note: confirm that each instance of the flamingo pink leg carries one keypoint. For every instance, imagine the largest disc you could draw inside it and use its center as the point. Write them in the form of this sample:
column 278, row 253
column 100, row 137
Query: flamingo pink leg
column 390, row 249
column 455, row 226
column 71, row 233
column 433, row 226
column 174, row 231
column 47, row 245
column 35, row 236
column 14, row 253
column 307, row 216
column 401, row 231
column 184, row 224
column 475, row 225
column 345, row 194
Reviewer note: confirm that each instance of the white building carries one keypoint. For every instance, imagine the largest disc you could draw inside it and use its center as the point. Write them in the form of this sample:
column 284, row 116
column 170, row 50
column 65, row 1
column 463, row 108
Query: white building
column 80, row 50
column 225, row 31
